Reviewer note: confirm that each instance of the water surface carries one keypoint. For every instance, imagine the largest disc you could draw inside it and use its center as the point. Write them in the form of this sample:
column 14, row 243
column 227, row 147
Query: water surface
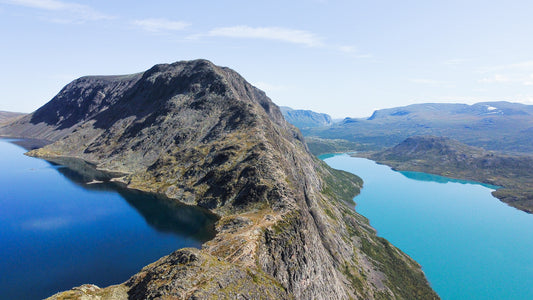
column 470, row 244
column 57, row 231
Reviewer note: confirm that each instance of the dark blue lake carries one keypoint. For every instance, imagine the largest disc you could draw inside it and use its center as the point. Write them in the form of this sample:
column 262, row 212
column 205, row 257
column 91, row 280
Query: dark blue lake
column 470, row 245
column 57, row 231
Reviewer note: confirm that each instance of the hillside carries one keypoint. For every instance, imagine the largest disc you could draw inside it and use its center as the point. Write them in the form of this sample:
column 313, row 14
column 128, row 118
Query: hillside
column 450, row 158
column 500, row 126
column 305, row 118
column 319, row 146
column 202, row 135
column 7, row 116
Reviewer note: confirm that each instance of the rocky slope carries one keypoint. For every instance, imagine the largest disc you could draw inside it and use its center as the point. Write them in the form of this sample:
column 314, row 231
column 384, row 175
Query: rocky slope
column 202, row 135
column 7, row 116
column 450, row 158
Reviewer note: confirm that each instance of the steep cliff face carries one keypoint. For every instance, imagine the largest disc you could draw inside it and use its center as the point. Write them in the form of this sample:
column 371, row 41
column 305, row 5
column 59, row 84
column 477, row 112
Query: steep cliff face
column 202, row 135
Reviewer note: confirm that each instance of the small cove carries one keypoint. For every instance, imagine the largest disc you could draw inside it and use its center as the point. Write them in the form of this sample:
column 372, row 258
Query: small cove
column 57, row 231
column 470, row 244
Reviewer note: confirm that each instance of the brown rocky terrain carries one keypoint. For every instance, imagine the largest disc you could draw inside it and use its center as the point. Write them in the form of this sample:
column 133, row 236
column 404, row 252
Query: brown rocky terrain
column 202, row 135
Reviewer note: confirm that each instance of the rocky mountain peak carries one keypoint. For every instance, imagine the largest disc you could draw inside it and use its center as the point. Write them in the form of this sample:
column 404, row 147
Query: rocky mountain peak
column 200, row 134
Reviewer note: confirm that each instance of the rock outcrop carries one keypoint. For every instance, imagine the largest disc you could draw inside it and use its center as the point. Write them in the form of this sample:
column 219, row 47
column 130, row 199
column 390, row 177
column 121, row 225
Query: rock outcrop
column 202, row 135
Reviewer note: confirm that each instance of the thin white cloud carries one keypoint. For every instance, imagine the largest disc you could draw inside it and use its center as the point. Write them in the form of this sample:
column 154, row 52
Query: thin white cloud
column 431, row 82
column 528, row 65
column 347, row 49
column 496, row 78
column 40, row 4
column 526, row 99
column 524, row 79
column 288, row 35
column 364, row 56
column 72, row 12
column 517, row 73
column 280, row 34
column 425, row 81
column 159, row 25
column 528, row 80
column 519, row 66
column 455, row 61
column 352, row 51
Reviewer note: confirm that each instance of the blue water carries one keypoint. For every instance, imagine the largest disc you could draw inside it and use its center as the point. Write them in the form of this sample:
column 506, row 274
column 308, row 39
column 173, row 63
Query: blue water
column 470, row 245
column 57, row 232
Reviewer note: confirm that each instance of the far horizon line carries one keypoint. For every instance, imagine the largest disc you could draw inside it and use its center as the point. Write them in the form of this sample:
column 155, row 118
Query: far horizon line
column 335, row 117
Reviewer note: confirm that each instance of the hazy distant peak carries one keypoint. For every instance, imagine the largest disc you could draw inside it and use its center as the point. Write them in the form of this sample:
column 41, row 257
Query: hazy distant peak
column 303, row 118
column 428, row 110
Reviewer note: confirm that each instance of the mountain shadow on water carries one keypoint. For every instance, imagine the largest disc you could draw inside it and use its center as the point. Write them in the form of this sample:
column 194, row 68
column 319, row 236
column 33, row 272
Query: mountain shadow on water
column 159, row 212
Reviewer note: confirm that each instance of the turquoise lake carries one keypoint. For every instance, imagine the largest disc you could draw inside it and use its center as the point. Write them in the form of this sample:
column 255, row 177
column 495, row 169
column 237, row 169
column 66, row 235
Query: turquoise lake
column 57, row 231
column 470, row 245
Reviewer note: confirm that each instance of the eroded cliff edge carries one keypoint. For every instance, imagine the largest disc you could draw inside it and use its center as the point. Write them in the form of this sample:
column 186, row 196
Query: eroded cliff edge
column 201, row 134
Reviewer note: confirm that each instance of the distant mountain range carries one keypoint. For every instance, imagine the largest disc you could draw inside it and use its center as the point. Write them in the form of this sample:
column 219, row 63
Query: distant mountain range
column 305, row 118
column 439, row 138
column 501, row 126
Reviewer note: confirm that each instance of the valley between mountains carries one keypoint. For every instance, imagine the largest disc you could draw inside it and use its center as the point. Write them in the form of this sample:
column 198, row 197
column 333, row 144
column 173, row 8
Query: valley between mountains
column 488, row 142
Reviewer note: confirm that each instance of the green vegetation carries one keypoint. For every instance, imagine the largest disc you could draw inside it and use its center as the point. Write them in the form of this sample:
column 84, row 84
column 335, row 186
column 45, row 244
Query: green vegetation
column 354, row 279
column 340, row 185
column 403, row 273
column 395, row 267
column 319, row 146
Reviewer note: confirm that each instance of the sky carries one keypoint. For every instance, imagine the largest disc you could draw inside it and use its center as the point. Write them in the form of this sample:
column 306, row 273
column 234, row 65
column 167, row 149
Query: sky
column 344, row 58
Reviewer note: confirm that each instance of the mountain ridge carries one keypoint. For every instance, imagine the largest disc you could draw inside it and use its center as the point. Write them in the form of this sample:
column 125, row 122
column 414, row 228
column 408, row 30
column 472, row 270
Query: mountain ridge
column 202, row 135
